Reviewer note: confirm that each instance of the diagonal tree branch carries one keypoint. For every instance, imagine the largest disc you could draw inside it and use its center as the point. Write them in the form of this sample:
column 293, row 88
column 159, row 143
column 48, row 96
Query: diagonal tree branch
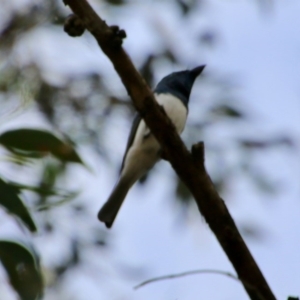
column 189, row 166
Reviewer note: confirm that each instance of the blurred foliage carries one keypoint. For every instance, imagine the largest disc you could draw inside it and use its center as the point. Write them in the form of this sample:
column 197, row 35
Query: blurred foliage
column 21, row 263
column 33, row 142
column 23, row 267
column 11, row 201
column 81, row 105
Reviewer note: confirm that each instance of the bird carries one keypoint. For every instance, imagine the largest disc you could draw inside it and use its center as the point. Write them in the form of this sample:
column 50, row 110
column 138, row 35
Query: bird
column 143, row 150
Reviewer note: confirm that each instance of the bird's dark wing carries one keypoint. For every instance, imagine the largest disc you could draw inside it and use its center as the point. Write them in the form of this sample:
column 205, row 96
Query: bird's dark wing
column 135, row 125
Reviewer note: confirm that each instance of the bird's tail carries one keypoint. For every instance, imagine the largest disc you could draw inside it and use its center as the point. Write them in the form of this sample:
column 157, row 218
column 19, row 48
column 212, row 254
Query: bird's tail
column 109, row 210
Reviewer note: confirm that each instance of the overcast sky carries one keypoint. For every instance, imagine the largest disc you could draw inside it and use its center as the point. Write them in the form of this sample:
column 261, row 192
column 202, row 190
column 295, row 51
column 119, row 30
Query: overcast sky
column 261, row 50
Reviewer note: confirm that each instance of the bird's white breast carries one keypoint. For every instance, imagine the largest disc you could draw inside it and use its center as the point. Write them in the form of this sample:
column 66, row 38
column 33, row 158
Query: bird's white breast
column 175, row 110
column 145, row 149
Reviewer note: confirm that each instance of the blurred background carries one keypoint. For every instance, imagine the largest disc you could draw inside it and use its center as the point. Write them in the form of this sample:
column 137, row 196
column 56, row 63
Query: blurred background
column 66, row 94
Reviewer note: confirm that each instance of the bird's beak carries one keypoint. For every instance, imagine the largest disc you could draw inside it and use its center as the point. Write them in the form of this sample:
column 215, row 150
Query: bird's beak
column 197, row 71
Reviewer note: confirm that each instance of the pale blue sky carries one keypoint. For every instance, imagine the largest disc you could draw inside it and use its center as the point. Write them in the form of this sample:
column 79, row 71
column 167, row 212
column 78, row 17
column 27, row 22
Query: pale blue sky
column 261, row 51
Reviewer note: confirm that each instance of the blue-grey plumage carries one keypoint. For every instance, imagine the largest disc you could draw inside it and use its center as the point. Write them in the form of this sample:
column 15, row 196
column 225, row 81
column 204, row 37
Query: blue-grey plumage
column 143, row 150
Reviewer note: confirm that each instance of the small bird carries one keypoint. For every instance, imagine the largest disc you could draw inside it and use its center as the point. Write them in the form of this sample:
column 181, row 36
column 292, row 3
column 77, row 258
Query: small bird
column 143, row 150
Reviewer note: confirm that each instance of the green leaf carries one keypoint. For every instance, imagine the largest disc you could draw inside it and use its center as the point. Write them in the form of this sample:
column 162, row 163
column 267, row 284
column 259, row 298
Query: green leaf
column 44, row 191
column 115, row 2
column 227, row 111
column 267, row 143
column 64, row 198
column 9, row 198
column 38, row 143
column 22, row 266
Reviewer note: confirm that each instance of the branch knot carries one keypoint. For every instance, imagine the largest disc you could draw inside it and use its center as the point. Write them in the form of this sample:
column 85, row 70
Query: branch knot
column 116, row 36
column 74, row 26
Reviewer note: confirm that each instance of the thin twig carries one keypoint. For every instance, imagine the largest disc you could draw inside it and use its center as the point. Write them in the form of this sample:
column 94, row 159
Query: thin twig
column 187, row 273
column 203, row 271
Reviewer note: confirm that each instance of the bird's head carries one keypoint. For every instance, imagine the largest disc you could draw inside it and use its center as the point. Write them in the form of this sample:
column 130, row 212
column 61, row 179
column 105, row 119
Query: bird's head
column 179, row 84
